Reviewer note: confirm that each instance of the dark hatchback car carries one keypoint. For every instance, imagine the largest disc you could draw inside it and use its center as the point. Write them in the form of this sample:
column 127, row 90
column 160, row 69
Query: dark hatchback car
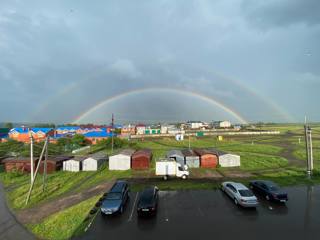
column 148, row 202
column 269, row 190
column 116, row 199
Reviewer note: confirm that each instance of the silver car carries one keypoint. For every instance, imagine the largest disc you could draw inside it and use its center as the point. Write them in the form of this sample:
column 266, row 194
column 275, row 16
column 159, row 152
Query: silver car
column 240, row 194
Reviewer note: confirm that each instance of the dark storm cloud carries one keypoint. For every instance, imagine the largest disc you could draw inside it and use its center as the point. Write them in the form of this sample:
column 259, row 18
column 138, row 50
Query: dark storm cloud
column 61, row 58
column 275, row 13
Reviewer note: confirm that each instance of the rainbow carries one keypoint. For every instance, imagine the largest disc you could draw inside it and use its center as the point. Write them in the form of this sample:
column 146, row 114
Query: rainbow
column 168, row 90
column 73, row 86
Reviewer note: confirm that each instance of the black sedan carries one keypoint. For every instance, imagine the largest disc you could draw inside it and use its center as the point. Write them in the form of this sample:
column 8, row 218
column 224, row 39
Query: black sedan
column 269, row 190
column 148, row 202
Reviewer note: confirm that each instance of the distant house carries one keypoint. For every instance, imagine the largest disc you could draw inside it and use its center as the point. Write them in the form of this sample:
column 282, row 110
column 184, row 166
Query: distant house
column 95, row 136
column 197, row 125
column 66, row 131
column 127, row 130
column 221, row 124
column 140, row 129
column 22, row 134
column 153, row 130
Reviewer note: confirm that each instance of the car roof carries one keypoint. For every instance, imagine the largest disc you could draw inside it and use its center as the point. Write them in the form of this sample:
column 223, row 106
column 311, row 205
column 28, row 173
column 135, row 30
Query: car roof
column 267, row 182
column 238, row 186
column 149, row 190
column 118, row 186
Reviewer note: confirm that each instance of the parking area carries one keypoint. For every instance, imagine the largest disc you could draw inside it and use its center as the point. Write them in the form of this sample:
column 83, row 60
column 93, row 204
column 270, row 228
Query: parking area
column 212, row 215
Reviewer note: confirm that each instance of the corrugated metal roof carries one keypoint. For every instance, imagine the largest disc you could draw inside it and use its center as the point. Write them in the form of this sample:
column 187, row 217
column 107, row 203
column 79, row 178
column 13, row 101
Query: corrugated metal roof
column 127, row 152
column 103, row 133
column 175, row 153
column 204, row 151
column 189, row 153
column 26, row 130
column 142, row 152
column 69, row 128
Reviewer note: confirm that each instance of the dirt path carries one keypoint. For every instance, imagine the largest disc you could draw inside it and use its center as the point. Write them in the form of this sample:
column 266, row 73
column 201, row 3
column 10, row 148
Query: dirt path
column 40, row 212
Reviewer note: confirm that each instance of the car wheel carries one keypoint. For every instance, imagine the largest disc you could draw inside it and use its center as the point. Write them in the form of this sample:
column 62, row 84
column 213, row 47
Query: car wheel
column 184, row 177
column 267, row 197
column 235, row 201
column 121, row 209
column 165, row 177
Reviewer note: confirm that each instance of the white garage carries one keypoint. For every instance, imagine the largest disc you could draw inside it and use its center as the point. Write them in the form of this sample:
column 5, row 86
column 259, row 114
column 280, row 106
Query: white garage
column 121, row 161
column 73, row 165
column 228, row 159
column 93, row 162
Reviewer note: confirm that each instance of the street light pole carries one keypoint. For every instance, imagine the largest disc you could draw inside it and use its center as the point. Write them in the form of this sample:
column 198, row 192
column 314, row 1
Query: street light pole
column 31, row 157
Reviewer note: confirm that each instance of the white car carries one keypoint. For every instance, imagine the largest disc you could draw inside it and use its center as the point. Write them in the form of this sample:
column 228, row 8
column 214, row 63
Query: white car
column 240, row 194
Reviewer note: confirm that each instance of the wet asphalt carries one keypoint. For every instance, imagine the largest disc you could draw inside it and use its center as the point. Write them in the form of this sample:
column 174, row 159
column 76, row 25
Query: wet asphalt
column 213, row 215
column 10, row 228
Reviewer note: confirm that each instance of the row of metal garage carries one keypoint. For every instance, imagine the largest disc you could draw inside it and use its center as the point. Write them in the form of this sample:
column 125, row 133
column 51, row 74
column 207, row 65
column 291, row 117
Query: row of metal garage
column 90, row 163
column 205, row 158
column 129, row 158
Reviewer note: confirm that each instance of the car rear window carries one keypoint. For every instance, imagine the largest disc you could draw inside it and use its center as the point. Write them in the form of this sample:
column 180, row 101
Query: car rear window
column 246, row 193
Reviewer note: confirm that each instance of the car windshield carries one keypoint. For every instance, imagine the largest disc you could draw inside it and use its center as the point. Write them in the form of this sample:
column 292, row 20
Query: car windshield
column 113, row 196
column 246, row 193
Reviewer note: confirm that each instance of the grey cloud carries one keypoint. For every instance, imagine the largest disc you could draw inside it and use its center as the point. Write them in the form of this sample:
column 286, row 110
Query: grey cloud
column 282, row 13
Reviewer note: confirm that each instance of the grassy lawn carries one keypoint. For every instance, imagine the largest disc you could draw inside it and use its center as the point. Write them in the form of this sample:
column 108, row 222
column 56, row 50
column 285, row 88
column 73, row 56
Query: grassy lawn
column 64, row 224
column 254, row 161
column 228, row 144
column 57, row 184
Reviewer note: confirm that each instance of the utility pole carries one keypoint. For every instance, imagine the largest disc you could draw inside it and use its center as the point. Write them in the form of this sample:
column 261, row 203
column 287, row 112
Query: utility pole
column 189, row 142
column 112, row 126
column 45, row 168
column 31, row 156
column 309, row 152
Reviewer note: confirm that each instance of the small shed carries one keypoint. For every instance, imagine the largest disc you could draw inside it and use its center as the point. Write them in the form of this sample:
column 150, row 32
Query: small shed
column 93, row 162
column 208, row 158
column 228, row 159
column 191, row 158
column 122, row 160
column 54, row 163
column 73, row 165
column 177, row 155
column 18, row 164
column 141, row 159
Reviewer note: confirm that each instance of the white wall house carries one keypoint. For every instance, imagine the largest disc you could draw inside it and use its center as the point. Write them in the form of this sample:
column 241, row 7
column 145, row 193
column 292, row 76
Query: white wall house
column 121, row 161
column 140, row 129
column 225, row 124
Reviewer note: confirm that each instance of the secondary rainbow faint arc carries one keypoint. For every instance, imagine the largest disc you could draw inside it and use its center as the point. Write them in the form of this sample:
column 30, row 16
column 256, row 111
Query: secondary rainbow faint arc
column 143, row 90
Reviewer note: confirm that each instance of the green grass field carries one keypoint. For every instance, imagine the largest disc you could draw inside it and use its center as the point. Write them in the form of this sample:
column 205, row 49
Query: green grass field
column 64, row 224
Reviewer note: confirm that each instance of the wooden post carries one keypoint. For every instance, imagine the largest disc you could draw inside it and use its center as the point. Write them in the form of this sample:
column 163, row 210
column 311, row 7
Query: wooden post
column 37, row 168
column 45, row 169
column 31, row 157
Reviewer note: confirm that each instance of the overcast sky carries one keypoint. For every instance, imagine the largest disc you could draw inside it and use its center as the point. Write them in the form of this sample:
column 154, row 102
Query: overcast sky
column 58, row 59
